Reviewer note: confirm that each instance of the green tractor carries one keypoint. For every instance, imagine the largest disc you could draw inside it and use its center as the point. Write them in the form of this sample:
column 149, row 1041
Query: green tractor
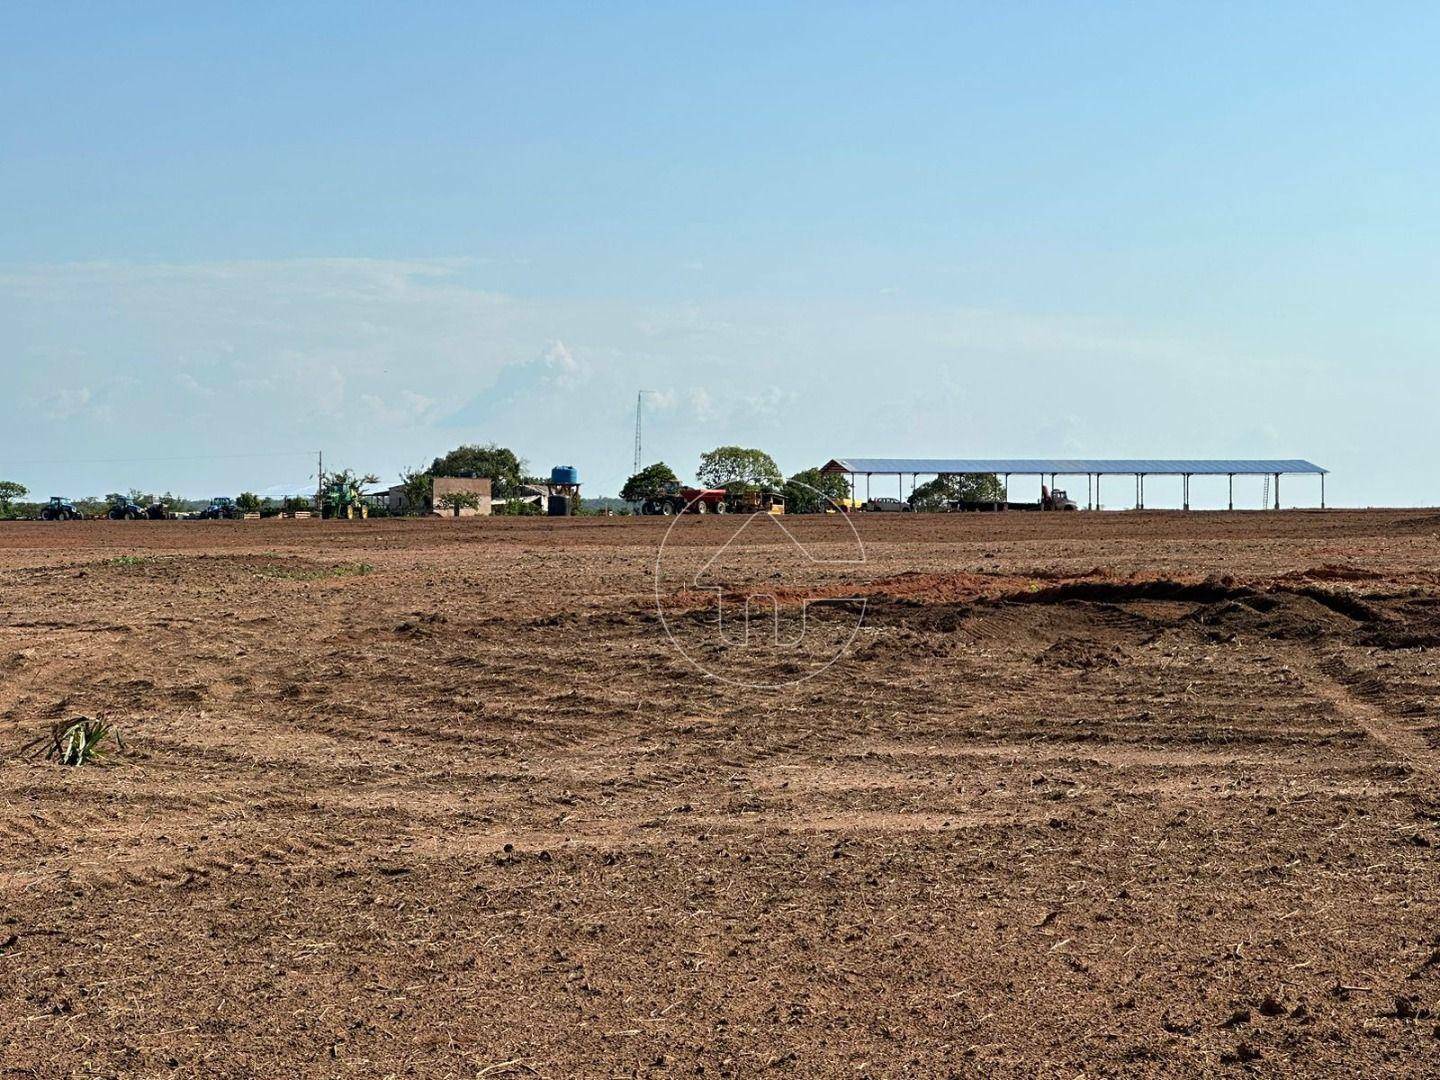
column 58, row 509
column 342, row 495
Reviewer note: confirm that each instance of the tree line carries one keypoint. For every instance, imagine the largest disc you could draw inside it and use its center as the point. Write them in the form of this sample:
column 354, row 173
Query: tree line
column 739, row 469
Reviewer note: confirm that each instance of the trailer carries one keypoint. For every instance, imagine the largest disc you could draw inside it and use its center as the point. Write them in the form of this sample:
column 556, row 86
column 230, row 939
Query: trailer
column 686, row 500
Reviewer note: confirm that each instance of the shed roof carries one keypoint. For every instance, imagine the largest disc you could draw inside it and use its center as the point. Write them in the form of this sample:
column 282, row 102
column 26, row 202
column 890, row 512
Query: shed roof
column 1076, row 466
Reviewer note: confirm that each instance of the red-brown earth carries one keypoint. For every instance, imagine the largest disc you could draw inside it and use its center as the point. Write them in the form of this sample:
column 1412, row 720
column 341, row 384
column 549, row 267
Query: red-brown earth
column 1104, row 794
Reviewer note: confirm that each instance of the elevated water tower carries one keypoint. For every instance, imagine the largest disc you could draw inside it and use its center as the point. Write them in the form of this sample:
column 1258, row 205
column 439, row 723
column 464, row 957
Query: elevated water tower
column 564, row 491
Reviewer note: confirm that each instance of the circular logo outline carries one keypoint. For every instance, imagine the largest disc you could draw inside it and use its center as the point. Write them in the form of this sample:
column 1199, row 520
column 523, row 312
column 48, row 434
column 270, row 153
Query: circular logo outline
column 844, row 513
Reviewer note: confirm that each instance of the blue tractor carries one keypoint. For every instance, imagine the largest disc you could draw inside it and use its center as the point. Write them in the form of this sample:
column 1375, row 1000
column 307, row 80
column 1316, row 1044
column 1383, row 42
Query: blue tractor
column 123, row 509
column 58, row 509
column 220, row 508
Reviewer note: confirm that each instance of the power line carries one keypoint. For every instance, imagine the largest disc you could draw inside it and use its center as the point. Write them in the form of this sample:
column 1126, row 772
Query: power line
column 181, row 457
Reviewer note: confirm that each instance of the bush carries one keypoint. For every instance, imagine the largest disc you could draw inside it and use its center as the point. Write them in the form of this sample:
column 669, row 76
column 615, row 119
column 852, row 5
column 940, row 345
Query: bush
column 519, row 508
column 456, row 501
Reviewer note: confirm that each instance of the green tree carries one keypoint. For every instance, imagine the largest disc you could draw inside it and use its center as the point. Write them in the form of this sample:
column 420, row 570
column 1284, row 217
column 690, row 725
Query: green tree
column 811, row 491
column 417, row 488
column 737, row 468
column 499, row 463
column 248, row 501
column 965, row 487
column 9, row 492
column 648, row 482
column 455, row 501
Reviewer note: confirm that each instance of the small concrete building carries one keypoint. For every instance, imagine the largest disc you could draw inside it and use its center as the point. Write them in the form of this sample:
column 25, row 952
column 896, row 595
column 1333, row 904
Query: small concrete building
column 479, row 486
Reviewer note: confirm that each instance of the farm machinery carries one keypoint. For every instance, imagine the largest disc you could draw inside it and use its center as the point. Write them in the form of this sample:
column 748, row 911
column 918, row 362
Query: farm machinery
column 1056, row 500
column 342, row 495
column 676, row 499
column 60, row 509
column 220, row 508
column 1049, row 500
column 124, row 509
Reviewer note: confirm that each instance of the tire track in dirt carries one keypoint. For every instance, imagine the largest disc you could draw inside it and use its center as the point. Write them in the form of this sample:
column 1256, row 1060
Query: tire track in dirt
column 1336, row 682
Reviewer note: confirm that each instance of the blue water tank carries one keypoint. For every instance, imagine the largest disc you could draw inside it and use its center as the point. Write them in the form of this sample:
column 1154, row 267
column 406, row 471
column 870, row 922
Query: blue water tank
column 566, row 475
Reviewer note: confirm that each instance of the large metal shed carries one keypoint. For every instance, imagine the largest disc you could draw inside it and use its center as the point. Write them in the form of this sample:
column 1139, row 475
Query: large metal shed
column 1093, row 469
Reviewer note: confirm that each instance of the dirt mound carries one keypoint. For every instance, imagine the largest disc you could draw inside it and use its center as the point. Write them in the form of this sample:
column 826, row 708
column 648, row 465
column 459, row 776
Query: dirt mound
column 1281, row 616
column 1331, row 572
column 1081, row 654
column 1412, row 623
column 1128, row 591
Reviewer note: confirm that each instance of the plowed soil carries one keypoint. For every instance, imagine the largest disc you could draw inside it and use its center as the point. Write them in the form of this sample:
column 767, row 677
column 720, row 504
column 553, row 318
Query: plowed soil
column 1106, row 795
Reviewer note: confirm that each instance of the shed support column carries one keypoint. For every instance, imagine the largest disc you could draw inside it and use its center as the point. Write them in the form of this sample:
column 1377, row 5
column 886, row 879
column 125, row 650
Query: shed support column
column 1186, row 493
column 1137, row 491
column 1097, row 491
column 1232, row 491
column 1089, row 492
column 1007, row 487
column 1277, row 491
column 1322, row 491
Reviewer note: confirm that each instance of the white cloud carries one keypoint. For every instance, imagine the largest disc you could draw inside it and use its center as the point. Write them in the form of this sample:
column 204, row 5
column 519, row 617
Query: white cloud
column 423, row 354
column 767, row 401
column 702, row 405
column 188, row 382
column 563, row 369
column 406, row 409
column 67, row 403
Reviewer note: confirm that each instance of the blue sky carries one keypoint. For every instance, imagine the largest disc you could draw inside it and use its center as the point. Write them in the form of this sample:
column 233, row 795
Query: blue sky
column 989, row 230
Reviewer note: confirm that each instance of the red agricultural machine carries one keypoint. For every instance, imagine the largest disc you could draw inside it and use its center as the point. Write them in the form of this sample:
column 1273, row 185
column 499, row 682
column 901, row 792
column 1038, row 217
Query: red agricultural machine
column 676, row 499
column 681, row 500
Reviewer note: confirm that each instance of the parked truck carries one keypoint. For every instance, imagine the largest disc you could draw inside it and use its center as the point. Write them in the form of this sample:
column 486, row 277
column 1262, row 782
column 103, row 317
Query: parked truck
column 1056, row 500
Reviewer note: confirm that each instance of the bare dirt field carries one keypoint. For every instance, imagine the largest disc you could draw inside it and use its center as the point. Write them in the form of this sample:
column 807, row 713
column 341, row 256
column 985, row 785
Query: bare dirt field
column 1106, row 795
